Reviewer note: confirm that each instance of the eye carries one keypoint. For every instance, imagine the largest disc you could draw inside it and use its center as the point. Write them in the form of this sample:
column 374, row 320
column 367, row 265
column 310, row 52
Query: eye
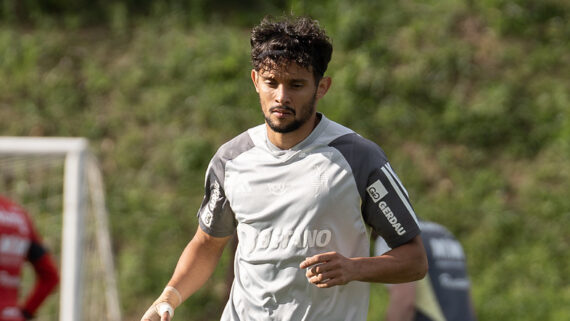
column 270, row 82
column 297, row 85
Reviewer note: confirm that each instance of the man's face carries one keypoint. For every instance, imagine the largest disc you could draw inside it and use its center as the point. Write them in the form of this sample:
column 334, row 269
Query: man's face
column 288, row 96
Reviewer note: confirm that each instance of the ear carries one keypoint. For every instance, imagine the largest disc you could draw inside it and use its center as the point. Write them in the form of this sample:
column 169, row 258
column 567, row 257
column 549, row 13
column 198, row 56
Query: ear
column 254, row 77
column 323, row 87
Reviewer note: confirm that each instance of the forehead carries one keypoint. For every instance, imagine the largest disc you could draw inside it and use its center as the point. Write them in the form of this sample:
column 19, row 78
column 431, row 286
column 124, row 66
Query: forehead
column 289, row 70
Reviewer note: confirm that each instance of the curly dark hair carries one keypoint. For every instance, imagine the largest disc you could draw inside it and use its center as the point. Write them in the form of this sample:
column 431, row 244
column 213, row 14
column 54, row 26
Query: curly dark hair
column 291, row 39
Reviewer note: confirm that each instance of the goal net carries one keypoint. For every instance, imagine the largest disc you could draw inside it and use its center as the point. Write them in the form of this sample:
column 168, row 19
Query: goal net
column 60, row 185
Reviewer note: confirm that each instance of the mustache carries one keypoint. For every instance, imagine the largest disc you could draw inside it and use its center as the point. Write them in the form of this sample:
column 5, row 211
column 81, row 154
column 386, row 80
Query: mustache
column 285, row 107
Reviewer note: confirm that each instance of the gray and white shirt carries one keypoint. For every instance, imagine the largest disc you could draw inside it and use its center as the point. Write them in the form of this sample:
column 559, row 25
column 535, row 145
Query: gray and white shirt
column 321, row 195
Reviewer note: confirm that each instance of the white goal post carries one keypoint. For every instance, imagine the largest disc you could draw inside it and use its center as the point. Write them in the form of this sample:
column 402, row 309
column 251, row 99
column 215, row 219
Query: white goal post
column 82, row 183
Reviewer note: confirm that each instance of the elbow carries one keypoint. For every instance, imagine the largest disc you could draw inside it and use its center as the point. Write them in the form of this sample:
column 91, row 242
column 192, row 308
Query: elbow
column 49, row 278
column 54, row 279
column 47, row 272
column 422, row 267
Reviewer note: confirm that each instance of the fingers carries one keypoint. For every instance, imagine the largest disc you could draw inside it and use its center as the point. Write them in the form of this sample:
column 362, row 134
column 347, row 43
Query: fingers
column 165, row 317
column 150, row 315
column 327, row 280
column 327, row 269
column 155, row 313
column 317, row 259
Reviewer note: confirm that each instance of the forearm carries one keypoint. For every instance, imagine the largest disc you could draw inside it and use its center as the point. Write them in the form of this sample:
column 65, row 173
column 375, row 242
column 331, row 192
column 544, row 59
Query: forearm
column 405, row 263
column 197, row 263
column 47, row 279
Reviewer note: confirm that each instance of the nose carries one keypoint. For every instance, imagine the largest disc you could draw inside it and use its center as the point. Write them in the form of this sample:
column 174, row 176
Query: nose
column 282, row 95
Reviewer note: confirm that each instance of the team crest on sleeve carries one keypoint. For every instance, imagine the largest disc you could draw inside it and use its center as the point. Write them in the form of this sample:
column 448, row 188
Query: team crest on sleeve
column 377, row 191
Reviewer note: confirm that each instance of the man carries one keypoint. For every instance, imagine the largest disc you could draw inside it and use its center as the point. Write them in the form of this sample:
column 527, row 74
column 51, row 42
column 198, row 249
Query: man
column 444, row 294
column 19, row 242
column 302, row 192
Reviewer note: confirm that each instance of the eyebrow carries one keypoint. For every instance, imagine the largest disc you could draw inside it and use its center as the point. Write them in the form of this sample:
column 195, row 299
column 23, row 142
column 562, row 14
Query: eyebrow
column 272, row 77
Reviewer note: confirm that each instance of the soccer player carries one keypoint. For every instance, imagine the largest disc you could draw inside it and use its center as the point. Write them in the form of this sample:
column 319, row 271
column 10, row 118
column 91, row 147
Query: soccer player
column 302, row 192
column 19, row 242
column 444, row 294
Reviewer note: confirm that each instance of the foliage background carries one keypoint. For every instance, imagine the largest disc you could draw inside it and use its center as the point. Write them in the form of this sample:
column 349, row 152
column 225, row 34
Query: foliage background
column 470, row 100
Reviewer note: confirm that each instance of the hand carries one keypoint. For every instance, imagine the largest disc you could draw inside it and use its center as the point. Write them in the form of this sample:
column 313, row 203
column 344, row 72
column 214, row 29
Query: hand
column 163, row 308
column 157, row 313
column 27, row 315
column 329, row 269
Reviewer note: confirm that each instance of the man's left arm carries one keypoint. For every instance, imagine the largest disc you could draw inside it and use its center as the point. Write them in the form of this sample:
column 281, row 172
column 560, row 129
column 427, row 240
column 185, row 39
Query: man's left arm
column 405, row 263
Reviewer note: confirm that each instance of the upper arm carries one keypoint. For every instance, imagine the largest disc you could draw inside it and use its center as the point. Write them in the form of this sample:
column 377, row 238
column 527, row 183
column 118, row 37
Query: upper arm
column 209, row 242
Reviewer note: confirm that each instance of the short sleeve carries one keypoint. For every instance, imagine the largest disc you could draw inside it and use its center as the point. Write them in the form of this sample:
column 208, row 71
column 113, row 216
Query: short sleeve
column 215, row 215
column 385, row 204
column 387, row 208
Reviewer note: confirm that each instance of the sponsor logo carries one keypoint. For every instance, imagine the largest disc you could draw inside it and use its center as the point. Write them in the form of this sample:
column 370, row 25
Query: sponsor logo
column 207, row 218
column 274, row 238
column 391, row 218
column 377, row 191
column 215, row 195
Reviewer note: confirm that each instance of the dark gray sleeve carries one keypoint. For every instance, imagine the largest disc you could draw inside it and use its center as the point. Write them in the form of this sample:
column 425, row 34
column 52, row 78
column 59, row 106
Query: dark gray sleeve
column 215, row 215
column 385, row 204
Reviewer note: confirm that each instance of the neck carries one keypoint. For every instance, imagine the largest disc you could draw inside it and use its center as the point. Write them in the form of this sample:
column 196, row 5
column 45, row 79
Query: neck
column 288, row 140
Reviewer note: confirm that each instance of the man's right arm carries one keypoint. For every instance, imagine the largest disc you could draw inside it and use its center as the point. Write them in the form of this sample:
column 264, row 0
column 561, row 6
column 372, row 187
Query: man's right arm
column 194, row 267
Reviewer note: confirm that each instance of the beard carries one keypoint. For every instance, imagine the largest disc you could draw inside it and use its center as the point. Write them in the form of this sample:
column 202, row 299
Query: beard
column 305, row 114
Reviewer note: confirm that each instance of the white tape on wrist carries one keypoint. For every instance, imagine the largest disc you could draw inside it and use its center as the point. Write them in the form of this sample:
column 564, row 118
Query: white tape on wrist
column 173, row 289
column 164, row 307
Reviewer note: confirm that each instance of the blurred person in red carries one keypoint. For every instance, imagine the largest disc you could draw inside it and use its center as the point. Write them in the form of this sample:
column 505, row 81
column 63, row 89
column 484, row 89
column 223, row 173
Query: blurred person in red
column 20, row 242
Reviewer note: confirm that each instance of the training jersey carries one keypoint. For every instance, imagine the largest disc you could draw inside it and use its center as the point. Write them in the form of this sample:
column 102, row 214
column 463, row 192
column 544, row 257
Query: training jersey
column 444, row 293
column 19, row 242
column 319, row 196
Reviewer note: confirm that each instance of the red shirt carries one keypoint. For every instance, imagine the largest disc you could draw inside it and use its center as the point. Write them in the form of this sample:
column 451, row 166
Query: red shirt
column 19, row 242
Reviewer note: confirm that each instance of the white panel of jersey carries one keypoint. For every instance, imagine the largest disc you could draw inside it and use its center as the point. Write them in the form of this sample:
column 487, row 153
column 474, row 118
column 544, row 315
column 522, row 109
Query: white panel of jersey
column 287, row 205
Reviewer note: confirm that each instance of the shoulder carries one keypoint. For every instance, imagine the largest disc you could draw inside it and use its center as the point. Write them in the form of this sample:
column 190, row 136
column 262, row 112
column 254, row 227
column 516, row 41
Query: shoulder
column 235, row 147
column 12, row 207
column 229, row 151
column 347, row 140
column 14, row 216
column 359, row 151
column 5, row 202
